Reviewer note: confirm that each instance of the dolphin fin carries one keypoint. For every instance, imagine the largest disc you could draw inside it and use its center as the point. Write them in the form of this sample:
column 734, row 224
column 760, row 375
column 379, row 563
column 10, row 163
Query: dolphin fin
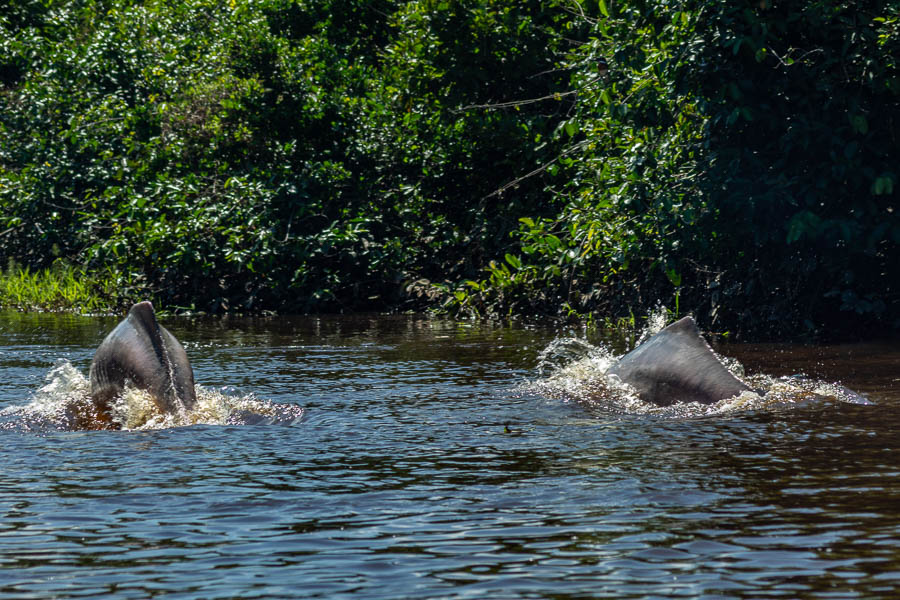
column 142, row 351
column 677, row 365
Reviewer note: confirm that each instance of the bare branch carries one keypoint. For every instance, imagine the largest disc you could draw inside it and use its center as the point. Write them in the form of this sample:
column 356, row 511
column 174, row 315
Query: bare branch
column 540, row 169
column 556, row 96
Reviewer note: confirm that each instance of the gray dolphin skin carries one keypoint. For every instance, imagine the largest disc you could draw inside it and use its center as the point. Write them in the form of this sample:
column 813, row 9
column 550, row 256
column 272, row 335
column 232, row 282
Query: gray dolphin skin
column 143, row 352
column 677, row 365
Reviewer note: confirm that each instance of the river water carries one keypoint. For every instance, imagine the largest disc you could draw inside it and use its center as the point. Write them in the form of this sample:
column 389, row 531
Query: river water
column 410, row 457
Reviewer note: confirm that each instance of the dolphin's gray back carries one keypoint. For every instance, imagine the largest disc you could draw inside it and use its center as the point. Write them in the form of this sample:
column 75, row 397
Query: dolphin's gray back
column 677, row 365
column 142, row 351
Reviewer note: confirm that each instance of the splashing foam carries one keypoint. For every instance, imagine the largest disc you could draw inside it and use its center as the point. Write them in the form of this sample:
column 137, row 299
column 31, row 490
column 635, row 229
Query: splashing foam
column 572, row 369
column 656, row 322
column 64, row 402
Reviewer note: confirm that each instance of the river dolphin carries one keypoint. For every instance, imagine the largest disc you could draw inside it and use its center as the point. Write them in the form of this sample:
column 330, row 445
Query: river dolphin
column 141, row 351
column 677, row 365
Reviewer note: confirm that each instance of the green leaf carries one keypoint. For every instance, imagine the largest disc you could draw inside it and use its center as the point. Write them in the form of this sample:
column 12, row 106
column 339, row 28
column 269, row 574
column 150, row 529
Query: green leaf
column 674, row 277
column 883, row 185
column 859, row 123
column 552, row 242
column 603, row 9
column 804, row 223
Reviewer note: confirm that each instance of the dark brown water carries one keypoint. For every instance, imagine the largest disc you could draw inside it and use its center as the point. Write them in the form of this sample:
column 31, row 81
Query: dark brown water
column 436, row 459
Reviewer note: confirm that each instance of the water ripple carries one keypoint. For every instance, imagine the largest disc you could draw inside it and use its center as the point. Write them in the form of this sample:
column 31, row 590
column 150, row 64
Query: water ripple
column 425, row 470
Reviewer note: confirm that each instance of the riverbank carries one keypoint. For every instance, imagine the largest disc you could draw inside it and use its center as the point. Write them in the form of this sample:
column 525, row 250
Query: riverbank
column 66, row 288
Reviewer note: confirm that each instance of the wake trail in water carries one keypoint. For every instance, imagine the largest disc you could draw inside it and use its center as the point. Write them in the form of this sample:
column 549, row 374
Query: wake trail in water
column 64, row 403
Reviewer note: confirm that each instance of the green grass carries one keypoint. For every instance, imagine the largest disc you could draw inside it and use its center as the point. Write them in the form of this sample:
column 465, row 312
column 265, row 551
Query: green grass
column 62, row 287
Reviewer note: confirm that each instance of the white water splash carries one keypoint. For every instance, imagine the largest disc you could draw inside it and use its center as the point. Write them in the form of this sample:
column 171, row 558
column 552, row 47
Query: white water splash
column 657, row 320
column 65, row 387
column 573, row 369
column 64, row 402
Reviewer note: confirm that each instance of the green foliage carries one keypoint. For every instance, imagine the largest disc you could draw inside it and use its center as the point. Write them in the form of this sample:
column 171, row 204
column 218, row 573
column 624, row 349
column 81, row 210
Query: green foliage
column 804, row 117
column 730, row 160
column 289, row 154
column 496, row 158
column 627, row 194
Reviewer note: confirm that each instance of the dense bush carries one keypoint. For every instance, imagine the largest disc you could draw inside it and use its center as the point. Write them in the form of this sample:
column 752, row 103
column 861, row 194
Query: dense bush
column 740, row 158
column 543, row 156
column 287, row 154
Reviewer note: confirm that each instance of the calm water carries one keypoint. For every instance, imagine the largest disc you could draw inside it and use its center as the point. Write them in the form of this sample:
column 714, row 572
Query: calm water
column 434, row 460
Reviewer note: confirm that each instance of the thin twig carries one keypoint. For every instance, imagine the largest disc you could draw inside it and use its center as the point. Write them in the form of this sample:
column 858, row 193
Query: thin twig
column 11, row 229
column 555, row 96
column 540, row 169
column 589, row 20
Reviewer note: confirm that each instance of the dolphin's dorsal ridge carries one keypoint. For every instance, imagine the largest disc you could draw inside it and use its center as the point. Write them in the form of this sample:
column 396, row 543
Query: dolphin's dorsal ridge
column 685, row 324
column 144, row 319
column 677, row 365
column 141, row 351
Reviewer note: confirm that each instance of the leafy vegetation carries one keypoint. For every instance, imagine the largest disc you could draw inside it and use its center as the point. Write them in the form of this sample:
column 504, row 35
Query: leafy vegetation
column 539, row 157
column 60, row 287
column 738, row 158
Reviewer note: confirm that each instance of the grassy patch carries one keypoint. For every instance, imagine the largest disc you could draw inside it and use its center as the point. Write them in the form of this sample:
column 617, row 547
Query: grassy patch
column 62, row 287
